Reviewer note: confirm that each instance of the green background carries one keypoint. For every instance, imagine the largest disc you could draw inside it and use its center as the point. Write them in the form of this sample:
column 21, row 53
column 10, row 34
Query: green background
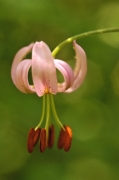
column 92, row 111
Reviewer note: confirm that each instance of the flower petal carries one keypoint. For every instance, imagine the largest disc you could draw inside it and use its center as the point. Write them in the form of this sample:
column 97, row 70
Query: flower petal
column 18, row 57
column 80, row 68
column 43, row 69
column 22, row 77
column 67, row 73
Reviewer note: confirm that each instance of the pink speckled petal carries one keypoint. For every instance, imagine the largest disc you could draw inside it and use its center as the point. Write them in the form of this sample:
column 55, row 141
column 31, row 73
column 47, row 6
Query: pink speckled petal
column 67, row 73
column 80, row 68
column 18, row 57
column 22, row 82
column 43, row 69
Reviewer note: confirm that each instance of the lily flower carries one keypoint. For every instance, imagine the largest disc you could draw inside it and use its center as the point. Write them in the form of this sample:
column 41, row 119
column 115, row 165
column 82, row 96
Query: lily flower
column 43, row 69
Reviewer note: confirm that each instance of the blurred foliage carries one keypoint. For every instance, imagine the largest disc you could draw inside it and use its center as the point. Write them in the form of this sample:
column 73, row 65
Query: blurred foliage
column 92, row 111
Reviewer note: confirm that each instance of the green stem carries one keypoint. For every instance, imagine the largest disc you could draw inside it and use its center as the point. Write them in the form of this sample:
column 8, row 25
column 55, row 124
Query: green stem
column 99, row 31
column 43, row 113
column 55, row 113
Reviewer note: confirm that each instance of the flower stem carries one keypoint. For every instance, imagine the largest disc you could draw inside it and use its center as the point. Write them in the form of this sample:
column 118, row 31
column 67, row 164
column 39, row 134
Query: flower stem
column 55, row 113
column 43, row 113
column 99, row 31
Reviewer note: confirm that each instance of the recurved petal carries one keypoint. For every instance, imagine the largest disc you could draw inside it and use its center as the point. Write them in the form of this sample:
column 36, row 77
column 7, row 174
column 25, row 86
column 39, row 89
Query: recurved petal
column 80, row 67
column 18, row 57
column 67, row 73
column 21, row 78
column 43, row 69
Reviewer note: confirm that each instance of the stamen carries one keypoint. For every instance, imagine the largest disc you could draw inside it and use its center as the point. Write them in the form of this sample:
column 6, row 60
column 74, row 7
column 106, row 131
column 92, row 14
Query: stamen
column 43, row 140
column 47, row 117
column 42, row 116
column 51, row 136
column 30, row 140
column 65, row 138
column 61, row 140
column 55, row 113
column 37, row 135
column 68, row 139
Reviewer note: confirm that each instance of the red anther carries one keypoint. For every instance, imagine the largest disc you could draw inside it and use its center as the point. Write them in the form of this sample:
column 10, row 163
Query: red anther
column 51, row 136
column 42, row 140
column 68, row 138
column 30, row 140
column 61, row 140
column 37, row 135
column 65, row 138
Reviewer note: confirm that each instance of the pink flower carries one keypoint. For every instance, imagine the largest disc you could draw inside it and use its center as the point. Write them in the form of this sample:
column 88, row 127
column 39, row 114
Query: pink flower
column 43, row 67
